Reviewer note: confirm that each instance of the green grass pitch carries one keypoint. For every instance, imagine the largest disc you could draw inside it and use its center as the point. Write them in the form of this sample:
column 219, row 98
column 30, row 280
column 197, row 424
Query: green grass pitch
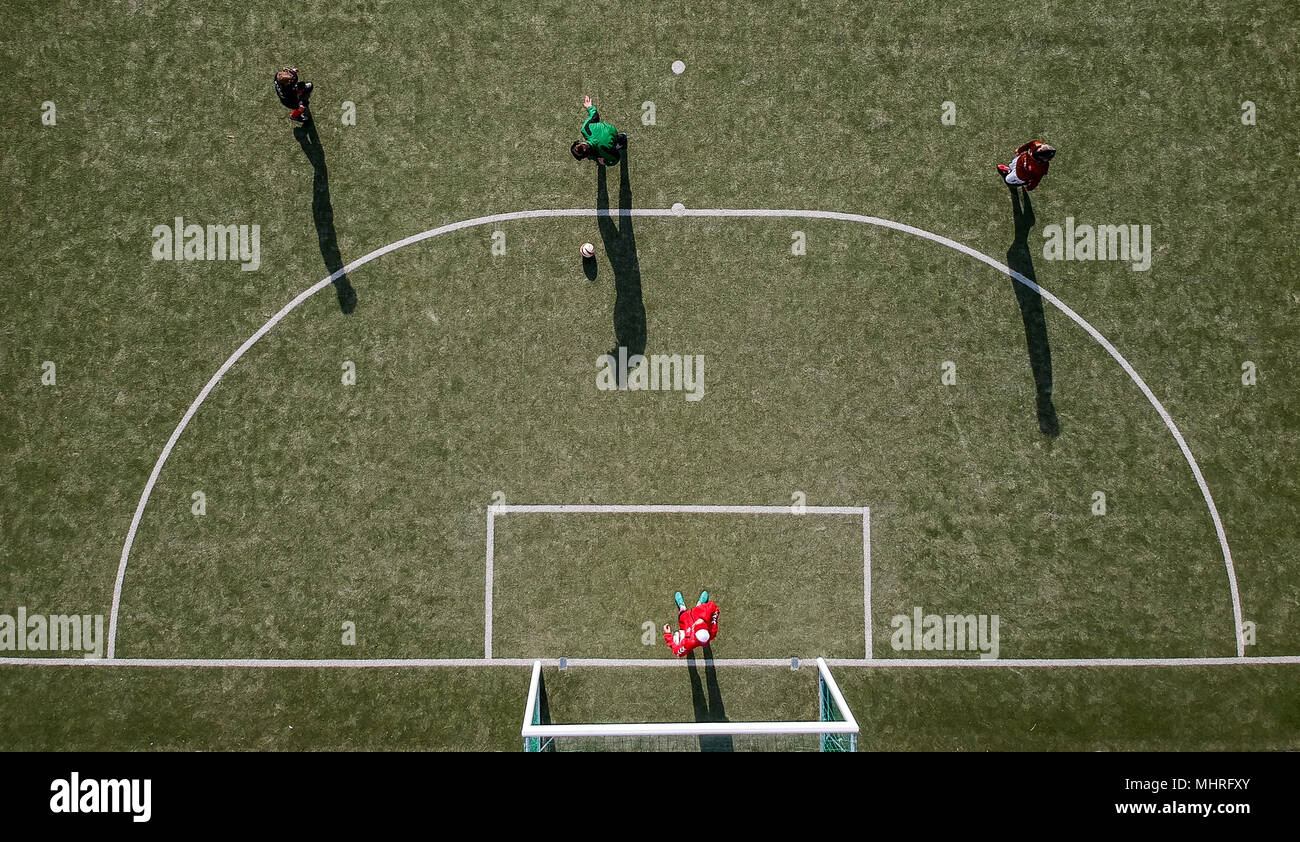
column 347, row 461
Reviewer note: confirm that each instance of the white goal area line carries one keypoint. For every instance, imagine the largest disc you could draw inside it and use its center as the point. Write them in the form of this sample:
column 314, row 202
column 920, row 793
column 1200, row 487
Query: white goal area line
column 497, row 509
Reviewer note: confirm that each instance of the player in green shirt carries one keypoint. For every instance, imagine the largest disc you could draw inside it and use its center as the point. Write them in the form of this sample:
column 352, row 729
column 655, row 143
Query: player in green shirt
column 599, row 140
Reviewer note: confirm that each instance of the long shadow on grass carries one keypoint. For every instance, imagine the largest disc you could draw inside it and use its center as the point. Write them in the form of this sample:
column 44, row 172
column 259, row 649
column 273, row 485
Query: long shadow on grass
column 708, row 708
column 322, row 212
column 620, row 246
column 1031, row 312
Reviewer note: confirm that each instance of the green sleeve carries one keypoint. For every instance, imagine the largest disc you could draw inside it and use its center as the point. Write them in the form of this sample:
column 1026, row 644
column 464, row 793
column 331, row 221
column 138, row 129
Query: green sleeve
column 591, row 115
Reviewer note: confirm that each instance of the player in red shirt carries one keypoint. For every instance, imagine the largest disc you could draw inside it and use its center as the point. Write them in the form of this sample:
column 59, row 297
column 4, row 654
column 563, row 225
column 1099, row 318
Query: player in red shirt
column 1029, row 166
column 697, row 626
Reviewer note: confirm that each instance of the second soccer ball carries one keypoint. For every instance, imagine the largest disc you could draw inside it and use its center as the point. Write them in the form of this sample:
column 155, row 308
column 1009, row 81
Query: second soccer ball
column 588, row 250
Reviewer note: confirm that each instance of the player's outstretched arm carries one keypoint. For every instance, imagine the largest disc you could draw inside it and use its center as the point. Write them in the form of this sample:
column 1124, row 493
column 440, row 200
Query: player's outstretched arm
column 678, row 649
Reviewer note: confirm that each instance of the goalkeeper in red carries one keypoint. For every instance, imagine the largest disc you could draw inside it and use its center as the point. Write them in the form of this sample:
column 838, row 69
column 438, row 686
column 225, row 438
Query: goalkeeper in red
column 697, row 626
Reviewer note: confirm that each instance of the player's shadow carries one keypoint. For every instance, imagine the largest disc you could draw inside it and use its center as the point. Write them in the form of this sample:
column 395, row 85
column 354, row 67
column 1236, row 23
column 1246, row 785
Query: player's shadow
column 1021, row 260
column 322, row 212
column 620, row 247
column 708, row 702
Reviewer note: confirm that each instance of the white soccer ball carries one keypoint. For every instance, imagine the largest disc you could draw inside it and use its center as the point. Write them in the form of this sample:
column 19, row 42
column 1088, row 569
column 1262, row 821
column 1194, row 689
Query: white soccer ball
column 588, row 250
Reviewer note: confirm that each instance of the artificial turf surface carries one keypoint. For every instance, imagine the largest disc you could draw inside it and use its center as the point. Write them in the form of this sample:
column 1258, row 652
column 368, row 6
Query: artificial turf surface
column 476, row 371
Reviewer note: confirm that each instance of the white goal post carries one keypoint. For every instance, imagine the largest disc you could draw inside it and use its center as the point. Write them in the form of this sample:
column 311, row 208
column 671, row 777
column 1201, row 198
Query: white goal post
column 836, row 727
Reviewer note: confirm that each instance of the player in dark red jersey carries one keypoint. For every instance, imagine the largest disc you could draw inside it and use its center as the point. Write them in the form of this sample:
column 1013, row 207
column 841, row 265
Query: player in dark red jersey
column 293, row 94
column 1029, row 166
column 697, row 626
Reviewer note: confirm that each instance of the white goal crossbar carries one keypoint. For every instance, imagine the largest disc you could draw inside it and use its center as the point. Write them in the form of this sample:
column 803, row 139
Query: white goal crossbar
column 836, row 719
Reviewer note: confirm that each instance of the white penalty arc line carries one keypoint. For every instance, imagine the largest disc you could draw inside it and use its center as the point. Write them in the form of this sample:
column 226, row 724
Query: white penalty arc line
column 710, row 213
column 665, row 662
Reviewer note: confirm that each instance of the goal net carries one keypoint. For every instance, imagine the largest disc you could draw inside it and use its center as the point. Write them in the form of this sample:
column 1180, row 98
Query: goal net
column 835, row 729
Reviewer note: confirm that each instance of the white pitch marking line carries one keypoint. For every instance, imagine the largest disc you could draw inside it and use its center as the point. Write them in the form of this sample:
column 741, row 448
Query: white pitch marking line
column 784, row 663
column 866, row 579
column 615, row 508
column 1028, row 663
column 592, row 509
column 767, row 213
column 487, row 599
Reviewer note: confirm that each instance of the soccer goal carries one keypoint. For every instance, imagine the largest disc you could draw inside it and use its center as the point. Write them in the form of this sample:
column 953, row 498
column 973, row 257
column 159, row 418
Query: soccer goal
column 835, row 729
